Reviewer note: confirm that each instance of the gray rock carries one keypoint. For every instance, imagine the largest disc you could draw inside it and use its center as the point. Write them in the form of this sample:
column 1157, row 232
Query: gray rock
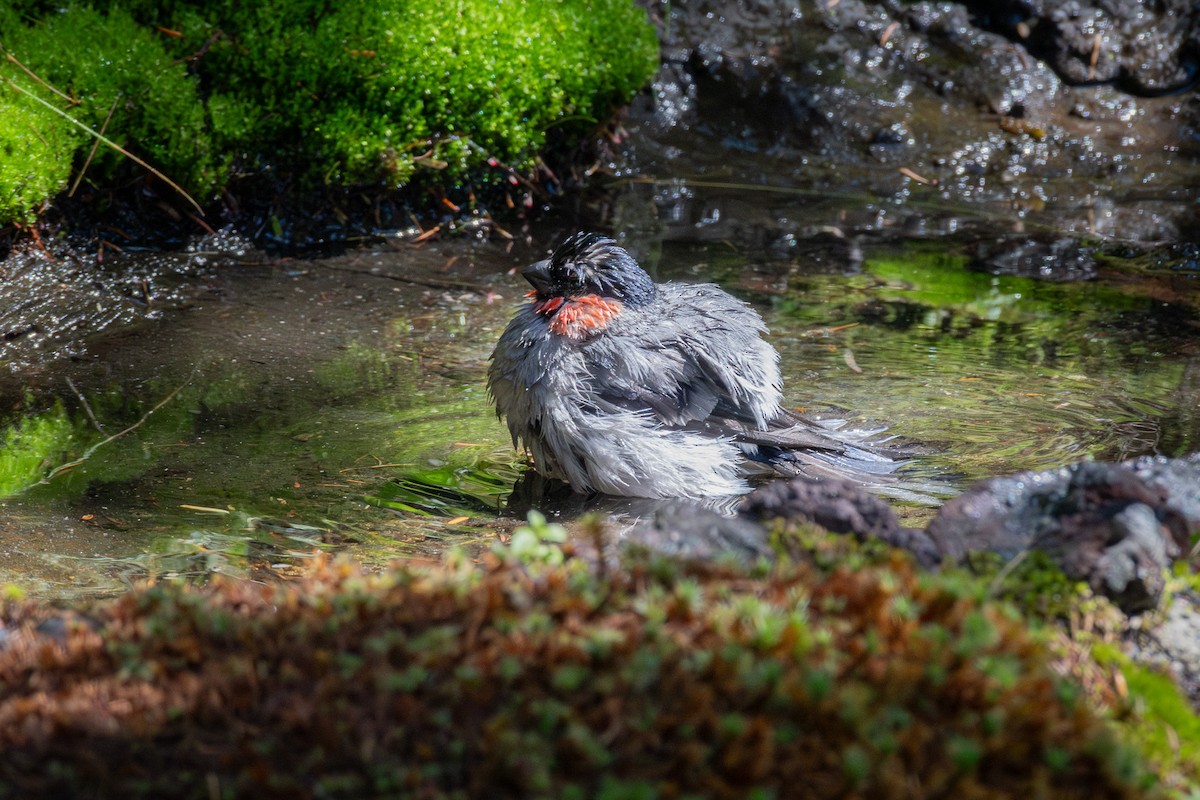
column 1117, row 526
column 690, row 530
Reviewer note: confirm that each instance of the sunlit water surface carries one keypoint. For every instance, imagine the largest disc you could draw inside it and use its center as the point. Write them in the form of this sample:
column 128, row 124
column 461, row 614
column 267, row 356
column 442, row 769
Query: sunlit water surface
column 339, row 404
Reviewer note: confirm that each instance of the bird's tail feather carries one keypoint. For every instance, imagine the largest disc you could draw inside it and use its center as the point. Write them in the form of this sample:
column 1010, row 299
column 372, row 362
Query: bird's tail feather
column 882, row 464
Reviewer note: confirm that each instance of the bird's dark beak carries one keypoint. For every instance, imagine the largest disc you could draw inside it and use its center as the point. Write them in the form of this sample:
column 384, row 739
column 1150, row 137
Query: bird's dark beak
column 538, row 275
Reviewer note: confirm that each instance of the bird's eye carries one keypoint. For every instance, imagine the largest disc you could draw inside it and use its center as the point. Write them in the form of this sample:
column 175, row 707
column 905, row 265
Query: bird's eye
column 581, row 275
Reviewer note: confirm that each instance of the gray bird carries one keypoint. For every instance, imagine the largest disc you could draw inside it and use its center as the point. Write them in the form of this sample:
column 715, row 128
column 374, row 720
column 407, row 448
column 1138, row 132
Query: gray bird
column 619, row 385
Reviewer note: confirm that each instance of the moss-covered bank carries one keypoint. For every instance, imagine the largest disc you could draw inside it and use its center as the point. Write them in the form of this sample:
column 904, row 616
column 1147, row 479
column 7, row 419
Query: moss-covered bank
column 370, row 92
column 543, row 677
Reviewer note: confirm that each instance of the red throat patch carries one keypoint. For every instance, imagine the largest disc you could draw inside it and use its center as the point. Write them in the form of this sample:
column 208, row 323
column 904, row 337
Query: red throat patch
column 578, row 318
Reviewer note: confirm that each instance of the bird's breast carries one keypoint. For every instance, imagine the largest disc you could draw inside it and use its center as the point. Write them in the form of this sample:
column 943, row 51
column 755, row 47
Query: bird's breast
column 578, row 318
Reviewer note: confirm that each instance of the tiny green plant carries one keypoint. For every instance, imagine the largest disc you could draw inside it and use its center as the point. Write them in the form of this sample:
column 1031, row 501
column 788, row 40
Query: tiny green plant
column 537, row 542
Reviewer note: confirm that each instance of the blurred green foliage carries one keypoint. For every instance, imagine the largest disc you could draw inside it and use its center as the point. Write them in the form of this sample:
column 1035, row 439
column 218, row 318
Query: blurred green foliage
column 538, row 674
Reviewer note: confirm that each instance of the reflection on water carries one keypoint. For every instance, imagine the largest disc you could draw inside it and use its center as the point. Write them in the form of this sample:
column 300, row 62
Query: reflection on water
column 339, row 404
column 1006, row 373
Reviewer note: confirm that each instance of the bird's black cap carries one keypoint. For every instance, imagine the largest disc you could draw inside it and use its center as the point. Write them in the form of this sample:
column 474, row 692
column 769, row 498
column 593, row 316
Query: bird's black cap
column 591, row 263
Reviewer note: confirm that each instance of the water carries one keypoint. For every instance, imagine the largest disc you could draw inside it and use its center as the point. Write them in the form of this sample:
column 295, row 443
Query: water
column 282, row 409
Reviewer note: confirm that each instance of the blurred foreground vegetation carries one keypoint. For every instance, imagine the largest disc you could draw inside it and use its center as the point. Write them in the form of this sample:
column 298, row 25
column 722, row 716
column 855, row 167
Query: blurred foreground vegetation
column 555, row 671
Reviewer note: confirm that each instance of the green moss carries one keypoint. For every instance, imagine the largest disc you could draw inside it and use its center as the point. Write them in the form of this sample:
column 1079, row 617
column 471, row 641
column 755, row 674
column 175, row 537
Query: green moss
column 1065, row 615
column 500, row 693
column 1036, row 586
column 35, row 154
column 365, row 92
column 1159, row 718
column 109, row 65
column 384, row 89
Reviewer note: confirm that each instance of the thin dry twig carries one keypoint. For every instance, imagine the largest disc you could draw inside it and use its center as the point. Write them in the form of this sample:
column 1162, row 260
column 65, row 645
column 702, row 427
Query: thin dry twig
column 1006, row 570
column 887, row 34
column 206, row 509
column 17, row 87
column 95, row 146
column 915, row 176
column 427, row 234
column 87, row 408
column 10, row 58
column 201, row 222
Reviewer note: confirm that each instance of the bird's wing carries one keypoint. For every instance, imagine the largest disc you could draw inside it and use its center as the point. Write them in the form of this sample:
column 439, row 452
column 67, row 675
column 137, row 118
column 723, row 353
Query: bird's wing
column 695, row 354
column 665, row 383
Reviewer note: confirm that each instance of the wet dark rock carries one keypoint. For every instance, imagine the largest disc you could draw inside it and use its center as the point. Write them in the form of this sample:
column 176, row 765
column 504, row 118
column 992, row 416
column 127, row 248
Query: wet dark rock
column 919, row 543
column 1064, row 258
column 692, row 531
column 997, row 110
column 1179, row 481
column 838, row 506
column 1145, row 49
column 1182, row 257
column 1116, row 526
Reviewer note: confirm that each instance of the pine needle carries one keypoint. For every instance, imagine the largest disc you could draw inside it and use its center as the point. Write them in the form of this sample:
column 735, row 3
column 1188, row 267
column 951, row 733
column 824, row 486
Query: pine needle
column 106, row 141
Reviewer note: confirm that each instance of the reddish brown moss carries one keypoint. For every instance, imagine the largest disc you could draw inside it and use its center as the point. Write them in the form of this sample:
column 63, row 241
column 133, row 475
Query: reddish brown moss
column 546, row 682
